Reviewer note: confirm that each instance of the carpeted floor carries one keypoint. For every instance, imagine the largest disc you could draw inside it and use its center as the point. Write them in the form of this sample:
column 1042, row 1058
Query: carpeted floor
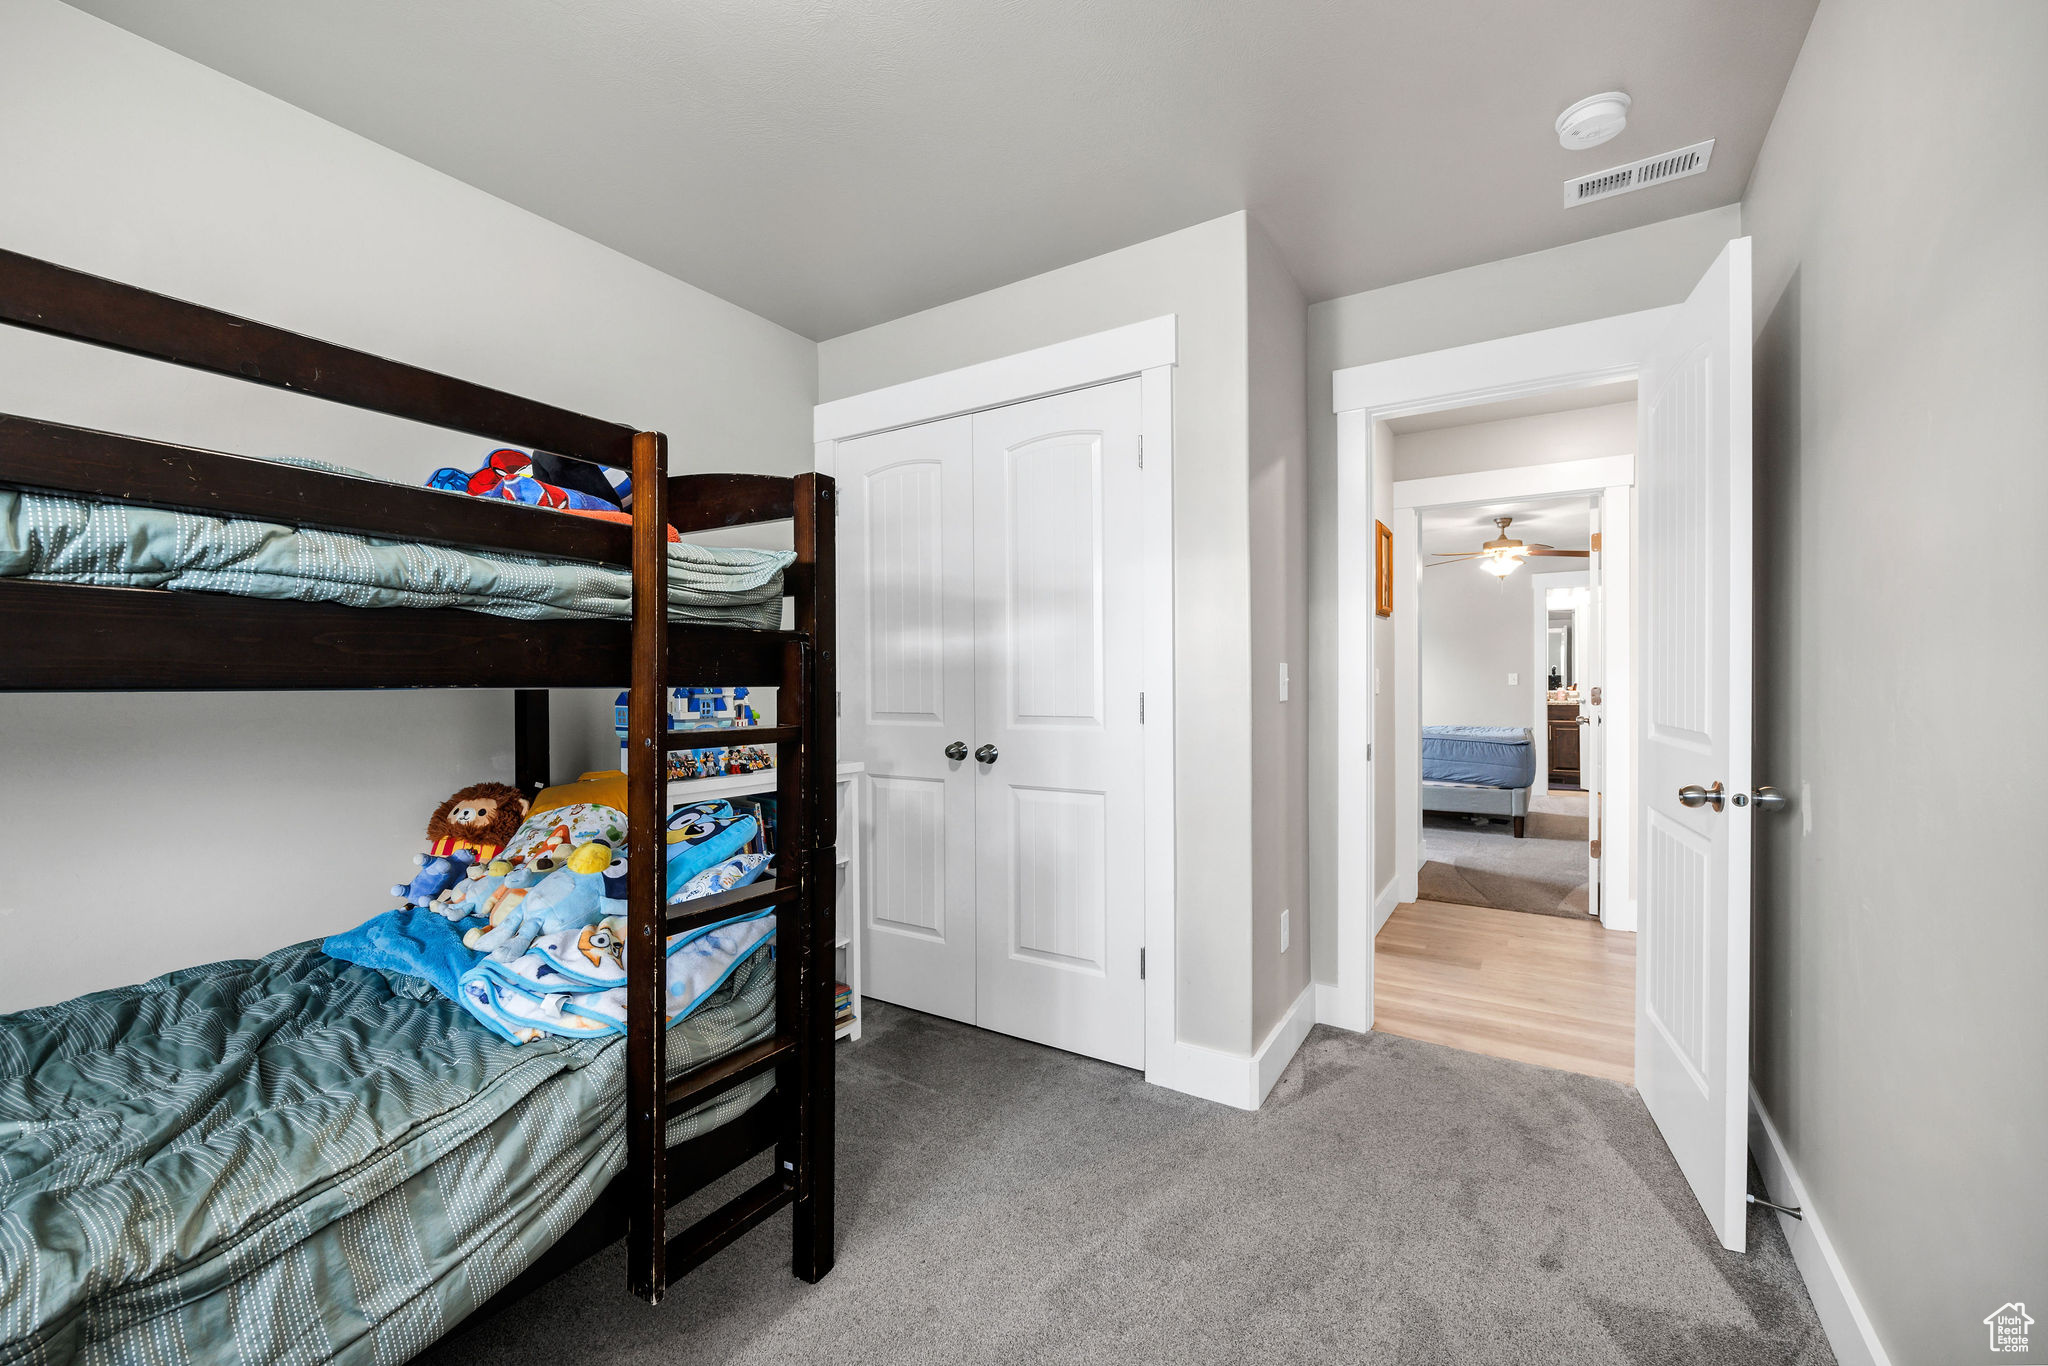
column 1483, row 864
column 1394, row 1201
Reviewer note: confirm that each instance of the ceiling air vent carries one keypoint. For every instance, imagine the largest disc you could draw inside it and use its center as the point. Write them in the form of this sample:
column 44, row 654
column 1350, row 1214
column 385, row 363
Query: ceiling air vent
column 1639, row 174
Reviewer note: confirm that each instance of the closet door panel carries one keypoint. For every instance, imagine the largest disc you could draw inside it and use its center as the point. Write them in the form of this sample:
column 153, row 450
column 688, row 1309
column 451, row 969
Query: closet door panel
column 906, row 669
column 1059, row 816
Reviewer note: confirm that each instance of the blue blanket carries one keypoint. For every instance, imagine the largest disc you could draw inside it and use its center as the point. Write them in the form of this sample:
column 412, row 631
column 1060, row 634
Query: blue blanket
column 569, row 984
column 418, row 943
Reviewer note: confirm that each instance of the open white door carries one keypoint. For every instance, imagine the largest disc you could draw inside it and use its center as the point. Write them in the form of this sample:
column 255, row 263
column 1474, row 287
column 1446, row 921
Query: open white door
column 1693, row 629
column 1592, row 647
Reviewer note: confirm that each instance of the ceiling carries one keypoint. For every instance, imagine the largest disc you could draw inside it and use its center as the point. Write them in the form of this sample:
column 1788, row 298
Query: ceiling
column 1528, row 405
column 1566, row 523
column 832, row 164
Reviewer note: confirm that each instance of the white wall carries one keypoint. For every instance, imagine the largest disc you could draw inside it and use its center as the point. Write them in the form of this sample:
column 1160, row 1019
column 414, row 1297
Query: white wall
column 1900, row 216
column 1475, row 633
column 1513, row 442
column 1198, row 273
column 1279, row 632
column 224, row 826
column 1642, row 268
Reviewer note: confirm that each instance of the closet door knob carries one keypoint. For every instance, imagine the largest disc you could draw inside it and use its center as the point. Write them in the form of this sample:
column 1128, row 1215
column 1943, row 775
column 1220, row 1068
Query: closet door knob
column 957, row 751
column 986, row 754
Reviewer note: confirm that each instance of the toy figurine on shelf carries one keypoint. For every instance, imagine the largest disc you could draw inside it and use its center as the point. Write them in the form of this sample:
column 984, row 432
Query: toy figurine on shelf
column 692, row 708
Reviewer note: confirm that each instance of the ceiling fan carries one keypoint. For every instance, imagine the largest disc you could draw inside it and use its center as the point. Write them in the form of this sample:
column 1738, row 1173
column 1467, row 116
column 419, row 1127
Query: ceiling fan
column 1503, row 555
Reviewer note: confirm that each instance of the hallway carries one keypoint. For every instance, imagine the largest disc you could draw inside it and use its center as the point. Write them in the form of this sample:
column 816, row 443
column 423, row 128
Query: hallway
column 1536, row 988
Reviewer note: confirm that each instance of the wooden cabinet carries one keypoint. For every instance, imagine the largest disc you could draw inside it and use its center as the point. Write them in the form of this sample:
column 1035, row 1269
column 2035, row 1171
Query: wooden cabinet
column 1564, row 744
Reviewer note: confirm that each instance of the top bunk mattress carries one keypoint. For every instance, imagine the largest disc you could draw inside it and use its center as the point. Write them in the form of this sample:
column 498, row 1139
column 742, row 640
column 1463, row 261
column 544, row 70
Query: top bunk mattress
column 1485, row 756
column 64, row 538
column 300, row 1159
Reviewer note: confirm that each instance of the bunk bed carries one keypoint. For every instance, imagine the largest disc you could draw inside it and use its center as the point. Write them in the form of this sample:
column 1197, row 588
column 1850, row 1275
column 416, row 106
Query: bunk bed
column 696, row 1107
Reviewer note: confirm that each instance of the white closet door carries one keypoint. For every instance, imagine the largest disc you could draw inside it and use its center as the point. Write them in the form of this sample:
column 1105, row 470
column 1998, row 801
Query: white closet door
column 1058, row 810
column 906, row 570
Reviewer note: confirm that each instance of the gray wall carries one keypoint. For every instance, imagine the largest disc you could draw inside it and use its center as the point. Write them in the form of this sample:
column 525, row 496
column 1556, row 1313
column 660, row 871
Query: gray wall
column 1476, row 630
column 1642, row 268
column 225, row 826
column 1279, row 633
column 1900, row 217
column 1198, row 273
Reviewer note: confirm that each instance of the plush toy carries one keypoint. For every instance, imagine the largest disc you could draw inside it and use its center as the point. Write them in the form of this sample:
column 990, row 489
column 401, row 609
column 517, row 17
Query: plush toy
column 480, row 818
column 568, row 898
column 469, row 897
column 496, row 902
column 435, row 877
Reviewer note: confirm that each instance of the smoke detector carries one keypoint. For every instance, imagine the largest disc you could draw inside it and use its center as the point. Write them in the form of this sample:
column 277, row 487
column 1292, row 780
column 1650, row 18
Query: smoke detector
column 1592, row 120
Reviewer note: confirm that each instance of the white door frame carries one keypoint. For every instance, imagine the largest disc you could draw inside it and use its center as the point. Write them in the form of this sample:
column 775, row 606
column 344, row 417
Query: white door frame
column 1597, row 352
column 1148, row 352
column 1607, row 481
column 1568, row 578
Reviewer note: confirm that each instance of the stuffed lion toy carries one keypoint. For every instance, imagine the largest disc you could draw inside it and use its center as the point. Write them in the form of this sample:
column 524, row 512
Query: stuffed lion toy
column 480, row 818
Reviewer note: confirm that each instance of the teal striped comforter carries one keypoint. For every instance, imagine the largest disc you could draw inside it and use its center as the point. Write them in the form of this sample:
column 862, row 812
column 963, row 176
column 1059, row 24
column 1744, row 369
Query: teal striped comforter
column 299, row 1159
column 66, row 539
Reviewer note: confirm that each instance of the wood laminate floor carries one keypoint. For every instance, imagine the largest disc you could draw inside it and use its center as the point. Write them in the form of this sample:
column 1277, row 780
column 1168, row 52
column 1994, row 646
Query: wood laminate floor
column 1535, row 988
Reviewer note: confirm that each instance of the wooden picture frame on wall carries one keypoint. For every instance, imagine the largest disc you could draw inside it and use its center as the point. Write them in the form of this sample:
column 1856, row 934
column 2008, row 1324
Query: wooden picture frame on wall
column 1382, row 569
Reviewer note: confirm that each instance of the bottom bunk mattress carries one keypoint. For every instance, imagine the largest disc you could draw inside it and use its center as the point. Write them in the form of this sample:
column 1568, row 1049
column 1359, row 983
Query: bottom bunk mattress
column 1485, row 756
column 296, row 1158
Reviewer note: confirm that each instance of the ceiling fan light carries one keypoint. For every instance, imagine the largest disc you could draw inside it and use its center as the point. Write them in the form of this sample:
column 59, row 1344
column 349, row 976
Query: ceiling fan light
column 1500, row 566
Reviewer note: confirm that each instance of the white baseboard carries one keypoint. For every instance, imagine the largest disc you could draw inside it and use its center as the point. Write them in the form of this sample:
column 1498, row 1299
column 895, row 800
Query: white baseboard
column 1209, row 1073
column 1383, row 905
column 1236, row 1079
column 1835, row 1301
column 1282, row 1042
column 1333, row 1009
column 1411, row 887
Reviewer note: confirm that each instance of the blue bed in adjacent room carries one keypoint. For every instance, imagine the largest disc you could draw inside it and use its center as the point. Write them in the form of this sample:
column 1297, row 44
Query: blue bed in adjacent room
column 1479, row 771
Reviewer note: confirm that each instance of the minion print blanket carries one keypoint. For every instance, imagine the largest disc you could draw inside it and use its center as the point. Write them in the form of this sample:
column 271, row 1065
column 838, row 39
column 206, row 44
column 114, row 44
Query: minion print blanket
column 531, row 944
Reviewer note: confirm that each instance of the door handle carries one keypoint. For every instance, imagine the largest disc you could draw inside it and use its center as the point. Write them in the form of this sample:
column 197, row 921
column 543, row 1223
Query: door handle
column 1766, row 799
column 957, row 751
column 1692, row 794
column 987, row 754
column 1583, row 720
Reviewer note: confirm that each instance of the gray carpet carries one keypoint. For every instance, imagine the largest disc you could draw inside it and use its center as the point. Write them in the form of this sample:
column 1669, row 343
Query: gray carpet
column 1394, row 1201
column 1472, row 863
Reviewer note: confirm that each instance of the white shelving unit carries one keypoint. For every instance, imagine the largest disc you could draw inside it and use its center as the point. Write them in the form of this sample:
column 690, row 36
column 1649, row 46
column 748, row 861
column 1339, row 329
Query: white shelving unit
column 846, row 936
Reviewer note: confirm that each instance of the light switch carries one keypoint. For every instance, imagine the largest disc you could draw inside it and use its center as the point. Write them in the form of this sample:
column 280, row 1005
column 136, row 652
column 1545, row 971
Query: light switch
column 1284, row 937
column 1375, row 680
column 1283, row 680
column 1513, row 679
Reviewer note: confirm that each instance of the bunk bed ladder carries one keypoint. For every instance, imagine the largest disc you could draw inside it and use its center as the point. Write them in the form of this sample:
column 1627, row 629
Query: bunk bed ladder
column 800, row 1053
column 647, row 879
column 814, row 791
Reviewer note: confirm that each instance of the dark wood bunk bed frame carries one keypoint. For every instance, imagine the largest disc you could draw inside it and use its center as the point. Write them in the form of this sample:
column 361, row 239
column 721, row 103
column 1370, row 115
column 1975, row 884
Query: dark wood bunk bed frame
column 68, row 638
